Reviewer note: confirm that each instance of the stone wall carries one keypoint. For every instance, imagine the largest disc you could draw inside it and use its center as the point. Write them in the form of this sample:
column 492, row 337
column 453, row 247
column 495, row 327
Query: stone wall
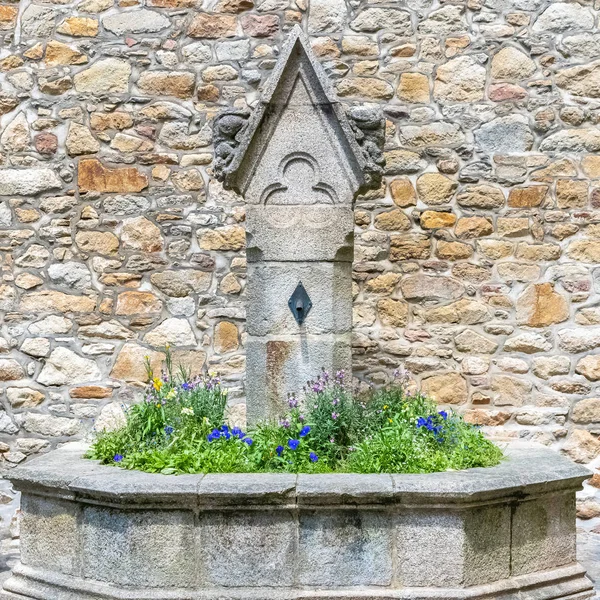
column 475, row 263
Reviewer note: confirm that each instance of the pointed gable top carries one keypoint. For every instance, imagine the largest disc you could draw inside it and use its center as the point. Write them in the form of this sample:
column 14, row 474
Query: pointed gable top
column 299, row 98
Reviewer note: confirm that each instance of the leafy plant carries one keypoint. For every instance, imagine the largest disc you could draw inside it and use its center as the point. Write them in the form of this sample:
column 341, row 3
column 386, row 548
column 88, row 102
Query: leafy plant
column 179, row 427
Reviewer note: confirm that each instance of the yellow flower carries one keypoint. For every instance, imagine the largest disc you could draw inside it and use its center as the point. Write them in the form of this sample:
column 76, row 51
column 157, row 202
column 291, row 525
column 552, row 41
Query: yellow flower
column 157, row 383
column 171, row 395
column 158, row 406
column 391, row 420
column 385, row 406
column 225, row 392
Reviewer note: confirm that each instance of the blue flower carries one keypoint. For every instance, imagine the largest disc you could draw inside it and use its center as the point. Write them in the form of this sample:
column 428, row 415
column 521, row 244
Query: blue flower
column 304, row 431
column 169, row 430
column 249, row 441
column 443, row 414
column 118, row 457
column 421, row 422
column 293, row 444
column 279, row 450
column 313, row 457
column 186, row 386
column 237, row 432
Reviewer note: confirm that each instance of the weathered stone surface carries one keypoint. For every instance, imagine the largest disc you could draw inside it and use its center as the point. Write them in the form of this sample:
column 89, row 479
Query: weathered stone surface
column 511, row 64
column 80, row 140
column 167, row 83
column 373, row 18
column 435, row 189
column 53, row 301
column 108, row 75
column 460, row 80
column 130, row 366
column 446, row 388
column 589, row 367
column 212, row 26
column 65, row 367
column 10, row 370
column 481, row 196
column 561, row 16
column 413, row 87
column 226, row 337
column 58, row 53
column 540, row 305
column 427, row 287
column 94, row 176
column 327, row 16
column 224, row 238
column 27, row 182
column 102, row 242
column 176, row 332
column 587, row 411
column 505, row 135
column 141, row 234
column 135, row 303
column 581, row 446
column 135, row 21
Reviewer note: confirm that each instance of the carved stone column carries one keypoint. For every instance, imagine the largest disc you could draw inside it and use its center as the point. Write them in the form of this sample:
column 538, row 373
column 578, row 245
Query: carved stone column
column 299, row 163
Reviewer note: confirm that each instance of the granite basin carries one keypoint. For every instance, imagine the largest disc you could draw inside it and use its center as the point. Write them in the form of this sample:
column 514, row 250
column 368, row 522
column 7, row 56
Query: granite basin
column 94, row 532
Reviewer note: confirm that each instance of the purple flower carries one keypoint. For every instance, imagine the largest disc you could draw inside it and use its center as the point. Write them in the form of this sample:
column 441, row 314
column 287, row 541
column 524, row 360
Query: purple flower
column 292, row 401
column 293, row 444
column 118, row 457
column 313, row 457
column 279, row 450
column 334, row 415
column 339, row 375
column 335, row 401
column 284, row 423
column 304, row 431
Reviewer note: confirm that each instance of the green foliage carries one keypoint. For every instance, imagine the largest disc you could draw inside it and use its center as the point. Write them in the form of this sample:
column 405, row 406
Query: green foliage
column 179, row 427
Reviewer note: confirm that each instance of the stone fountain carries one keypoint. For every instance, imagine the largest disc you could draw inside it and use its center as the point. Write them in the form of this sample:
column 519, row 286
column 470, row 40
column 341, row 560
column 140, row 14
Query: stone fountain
column 299, row 162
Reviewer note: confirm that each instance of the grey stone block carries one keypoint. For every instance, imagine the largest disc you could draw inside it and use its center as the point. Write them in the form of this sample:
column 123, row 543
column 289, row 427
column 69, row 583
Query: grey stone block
column 344, row 548
column 543, row 534
column 50, row 534
column 282, row 364
column 270, row 286
column 247, row 549
column 344, row 489
column 235, row 489
column 299, row 233
column 135, row 487
column 139, row 548
column 445, row 548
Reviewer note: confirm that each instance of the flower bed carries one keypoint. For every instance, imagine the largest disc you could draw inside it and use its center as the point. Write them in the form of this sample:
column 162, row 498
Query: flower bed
column 179, row 428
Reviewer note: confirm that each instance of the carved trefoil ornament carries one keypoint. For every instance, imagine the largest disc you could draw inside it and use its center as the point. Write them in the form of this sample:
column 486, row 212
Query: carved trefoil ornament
column 299, row 160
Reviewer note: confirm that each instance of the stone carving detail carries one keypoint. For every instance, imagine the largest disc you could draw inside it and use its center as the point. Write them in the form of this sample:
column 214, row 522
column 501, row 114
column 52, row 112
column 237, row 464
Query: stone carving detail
column 227, row 129
column 299, row 184
column 368, row 125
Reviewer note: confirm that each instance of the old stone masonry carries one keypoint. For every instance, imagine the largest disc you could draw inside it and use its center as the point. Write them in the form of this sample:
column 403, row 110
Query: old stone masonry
column 476, row 261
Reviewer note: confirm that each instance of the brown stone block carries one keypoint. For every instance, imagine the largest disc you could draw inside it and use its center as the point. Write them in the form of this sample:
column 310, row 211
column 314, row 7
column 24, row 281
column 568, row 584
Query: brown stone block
column 93, row 176
column 91, row 392
column 260, row 26
column 179, row 84
column 527, row 197
column 212, row 26
column 136, row 303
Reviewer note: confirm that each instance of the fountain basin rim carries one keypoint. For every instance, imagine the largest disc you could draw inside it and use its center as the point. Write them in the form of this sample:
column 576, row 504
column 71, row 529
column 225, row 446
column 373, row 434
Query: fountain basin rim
column 529, row 470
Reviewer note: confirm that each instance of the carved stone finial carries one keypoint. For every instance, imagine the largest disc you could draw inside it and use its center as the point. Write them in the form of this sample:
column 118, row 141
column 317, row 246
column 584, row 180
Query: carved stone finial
column 368, row 125
column 227, row 127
